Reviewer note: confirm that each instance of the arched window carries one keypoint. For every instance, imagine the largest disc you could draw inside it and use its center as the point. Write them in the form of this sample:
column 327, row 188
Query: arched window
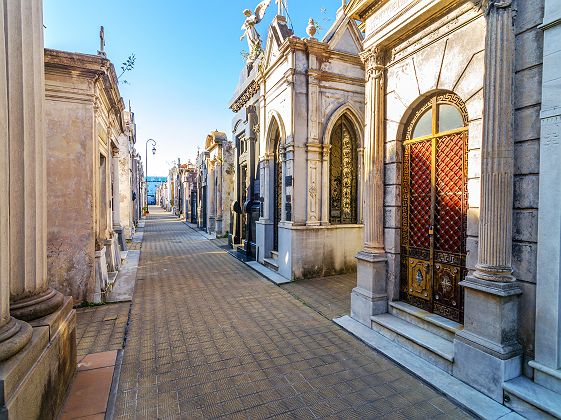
column 343, row 173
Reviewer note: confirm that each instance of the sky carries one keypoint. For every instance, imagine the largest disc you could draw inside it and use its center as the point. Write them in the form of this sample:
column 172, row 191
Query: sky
column 188, row 60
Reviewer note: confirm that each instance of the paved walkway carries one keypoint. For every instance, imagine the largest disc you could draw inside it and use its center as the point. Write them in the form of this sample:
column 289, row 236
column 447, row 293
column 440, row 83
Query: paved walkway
column 209, row 337
column 330, row 296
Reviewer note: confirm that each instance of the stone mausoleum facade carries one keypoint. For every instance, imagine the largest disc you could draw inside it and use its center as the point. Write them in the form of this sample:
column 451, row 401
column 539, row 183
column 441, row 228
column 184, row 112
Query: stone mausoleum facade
column 460, row 188
column 89, row 145
column 299, row 152
column 215, row 185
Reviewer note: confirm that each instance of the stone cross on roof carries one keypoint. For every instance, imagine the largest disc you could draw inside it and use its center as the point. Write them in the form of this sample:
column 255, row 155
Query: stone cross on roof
column 283, row 5
column 102, row 42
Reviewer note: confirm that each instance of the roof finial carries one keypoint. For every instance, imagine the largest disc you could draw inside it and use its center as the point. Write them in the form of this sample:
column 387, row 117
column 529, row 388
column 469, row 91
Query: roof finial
column 102, row 42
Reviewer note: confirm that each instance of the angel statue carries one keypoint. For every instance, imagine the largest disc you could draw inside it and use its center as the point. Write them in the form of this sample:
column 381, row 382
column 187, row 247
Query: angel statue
column 253, row 38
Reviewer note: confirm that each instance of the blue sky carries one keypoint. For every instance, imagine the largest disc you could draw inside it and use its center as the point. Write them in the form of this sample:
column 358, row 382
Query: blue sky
column 188, row 59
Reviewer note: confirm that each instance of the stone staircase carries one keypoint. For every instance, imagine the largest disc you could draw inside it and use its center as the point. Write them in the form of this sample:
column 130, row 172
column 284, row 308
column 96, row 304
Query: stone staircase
column 272, row 262
column 424, row 334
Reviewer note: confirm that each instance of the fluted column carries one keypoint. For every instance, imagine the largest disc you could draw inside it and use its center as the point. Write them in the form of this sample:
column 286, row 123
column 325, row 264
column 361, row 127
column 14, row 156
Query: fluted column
column 14, row 334
column 488, row 345
column 30, row 294
column 370, row 297
column 374, row 153
column 497, row 150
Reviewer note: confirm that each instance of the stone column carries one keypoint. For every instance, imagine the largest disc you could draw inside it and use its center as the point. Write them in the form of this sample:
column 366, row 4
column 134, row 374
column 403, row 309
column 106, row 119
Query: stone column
column 266, row 185
column 547, row 363
column 14, row 334
column 487, row 352
column 325, row 184
column 29, row 291
column 219, row 192
column 210, row 198
column 370, row 296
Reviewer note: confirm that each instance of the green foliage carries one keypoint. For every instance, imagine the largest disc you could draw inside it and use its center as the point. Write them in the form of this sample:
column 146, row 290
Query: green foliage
column 127, row 66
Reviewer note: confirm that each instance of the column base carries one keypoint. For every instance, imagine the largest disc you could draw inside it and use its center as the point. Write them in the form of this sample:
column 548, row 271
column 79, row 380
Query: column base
column 101, row 278
column 482, row 370
column 546, row 377
column 13, row 337
column 33, row 382
column 487, row 352
column 36, row 306
column 369, row 297
column 120, row 232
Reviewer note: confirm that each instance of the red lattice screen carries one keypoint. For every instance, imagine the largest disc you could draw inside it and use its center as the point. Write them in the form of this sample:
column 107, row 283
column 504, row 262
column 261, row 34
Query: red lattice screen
column 450, row 207
column 420, row 190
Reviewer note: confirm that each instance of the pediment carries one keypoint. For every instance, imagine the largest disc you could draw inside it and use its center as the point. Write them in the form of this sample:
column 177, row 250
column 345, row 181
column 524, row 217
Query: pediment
column 344, row 36
column 277, row 34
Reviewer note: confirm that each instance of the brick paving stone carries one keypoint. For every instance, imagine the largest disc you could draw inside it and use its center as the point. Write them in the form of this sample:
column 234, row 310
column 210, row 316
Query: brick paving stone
column 329, row 296
column 209, row 337
column 101, row 328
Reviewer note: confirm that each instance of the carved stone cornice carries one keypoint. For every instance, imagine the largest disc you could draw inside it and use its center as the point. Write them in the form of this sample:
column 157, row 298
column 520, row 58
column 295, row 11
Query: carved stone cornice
column 245, row 96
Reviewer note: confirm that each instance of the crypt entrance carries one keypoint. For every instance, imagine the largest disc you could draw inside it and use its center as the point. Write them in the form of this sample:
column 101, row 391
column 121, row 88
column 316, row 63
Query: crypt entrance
column 434, row 206
column 277, row 186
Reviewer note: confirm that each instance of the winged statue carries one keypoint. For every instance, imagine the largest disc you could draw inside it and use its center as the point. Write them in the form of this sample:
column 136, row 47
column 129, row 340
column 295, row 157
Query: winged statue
column 253, row 38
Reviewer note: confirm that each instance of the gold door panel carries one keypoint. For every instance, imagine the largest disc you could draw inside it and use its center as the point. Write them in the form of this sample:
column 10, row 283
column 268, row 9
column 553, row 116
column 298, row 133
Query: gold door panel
column 419, row 279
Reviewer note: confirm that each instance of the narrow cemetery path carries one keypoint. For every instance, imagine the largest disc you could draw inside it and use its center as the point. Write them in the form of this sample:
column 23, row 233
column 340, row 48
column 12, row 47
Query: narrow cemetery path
column 209, row 337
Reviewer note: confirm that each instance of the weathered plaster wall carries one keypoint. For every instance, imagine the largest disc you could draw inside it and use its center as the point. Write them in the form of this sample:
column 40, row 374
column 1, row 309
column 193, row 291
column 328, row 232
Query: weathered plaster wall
column 71, row 233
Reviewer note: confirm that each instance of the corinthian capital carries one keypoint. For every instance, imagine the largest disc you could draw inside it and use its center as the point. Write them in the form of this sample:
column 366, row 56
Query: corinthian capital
column 488, row 5
column 374, row 60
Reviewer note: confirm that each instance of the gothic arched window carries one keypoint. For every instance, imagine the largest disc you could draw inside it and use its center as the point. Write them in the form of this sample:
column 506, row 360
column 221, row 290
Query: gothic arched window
column 343, row 173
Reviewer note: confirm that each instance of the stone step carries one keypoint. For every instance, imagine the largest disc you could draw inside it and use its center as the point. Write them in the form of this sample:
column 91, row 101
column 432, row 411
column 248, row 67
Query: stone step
column 531, row 400
column 111, row 277
column 271, row 264
column 436, row 324
column 419, row 341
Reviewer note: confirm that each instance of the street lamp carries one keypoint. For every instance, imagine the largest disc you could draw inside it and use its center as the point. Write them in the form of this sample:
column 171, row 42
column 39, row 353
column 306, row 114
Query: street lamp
column 153, row 142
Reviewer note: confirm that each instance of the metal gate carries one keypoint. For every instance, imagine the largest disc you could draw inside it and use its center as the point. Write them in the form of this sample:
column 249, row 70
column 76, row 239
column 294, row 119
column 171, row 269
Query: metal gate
column 434, row 209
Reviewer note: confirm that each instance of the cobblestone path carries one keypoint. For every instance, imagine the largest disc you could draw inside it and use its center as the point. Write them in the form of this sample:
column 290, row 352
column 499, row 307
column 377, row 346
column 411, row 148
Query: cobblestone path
column 208, row 337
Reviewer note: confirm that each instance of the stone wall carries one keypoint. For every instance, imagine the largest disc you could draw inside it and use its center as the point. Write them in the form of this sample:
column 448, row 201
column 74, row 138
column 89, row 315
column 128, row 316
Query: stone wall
column 71, row 234
column 527, row 104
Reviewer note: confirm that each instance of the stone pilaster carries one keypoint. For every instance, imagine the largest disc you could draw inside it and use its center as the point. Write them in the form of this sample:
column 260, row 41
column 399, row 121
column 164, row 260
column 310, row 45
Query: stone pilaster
column 325, row 184
column 313, row 210
column 14, row 334
column 370, row 296
column 29, row 291
column 487, row 351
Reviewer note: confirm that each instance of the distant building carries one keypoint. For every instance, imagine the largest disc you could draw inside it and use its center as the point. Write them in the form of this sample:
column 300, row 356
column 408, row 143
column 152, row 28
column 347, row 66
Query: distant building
column 153, row 182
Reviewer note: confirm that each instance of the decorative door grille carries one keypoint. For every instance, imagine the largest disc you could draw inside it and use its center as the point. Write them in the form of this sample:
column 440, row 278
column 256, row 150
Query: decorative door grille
column 277, row 193
column 343, row 179
column 434, row 207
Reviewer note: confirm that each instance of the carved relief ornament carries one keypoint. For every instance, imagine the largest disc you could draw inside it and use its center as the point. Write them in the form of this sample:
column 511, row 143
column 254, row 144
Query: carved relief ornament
column 374, row 61
column 246, row 95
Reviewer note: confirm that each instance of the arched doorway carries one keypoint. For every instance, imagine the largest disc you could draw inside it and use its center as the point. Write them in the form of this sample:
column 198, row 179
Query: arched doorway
column 277, row 184
column 343, row 173
column 434, row 206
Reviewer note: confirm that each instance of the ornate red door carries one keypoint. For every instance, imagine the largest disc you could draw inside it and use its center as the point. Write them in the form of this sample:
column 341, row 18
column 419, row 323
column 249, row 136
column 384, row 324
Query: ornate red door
column 434, row 207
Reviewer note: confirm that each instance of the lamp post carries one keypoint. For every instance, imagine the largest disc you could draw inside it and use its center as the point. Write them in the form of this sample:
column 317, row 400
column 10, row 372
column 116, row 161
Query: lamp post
column 153, row 152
